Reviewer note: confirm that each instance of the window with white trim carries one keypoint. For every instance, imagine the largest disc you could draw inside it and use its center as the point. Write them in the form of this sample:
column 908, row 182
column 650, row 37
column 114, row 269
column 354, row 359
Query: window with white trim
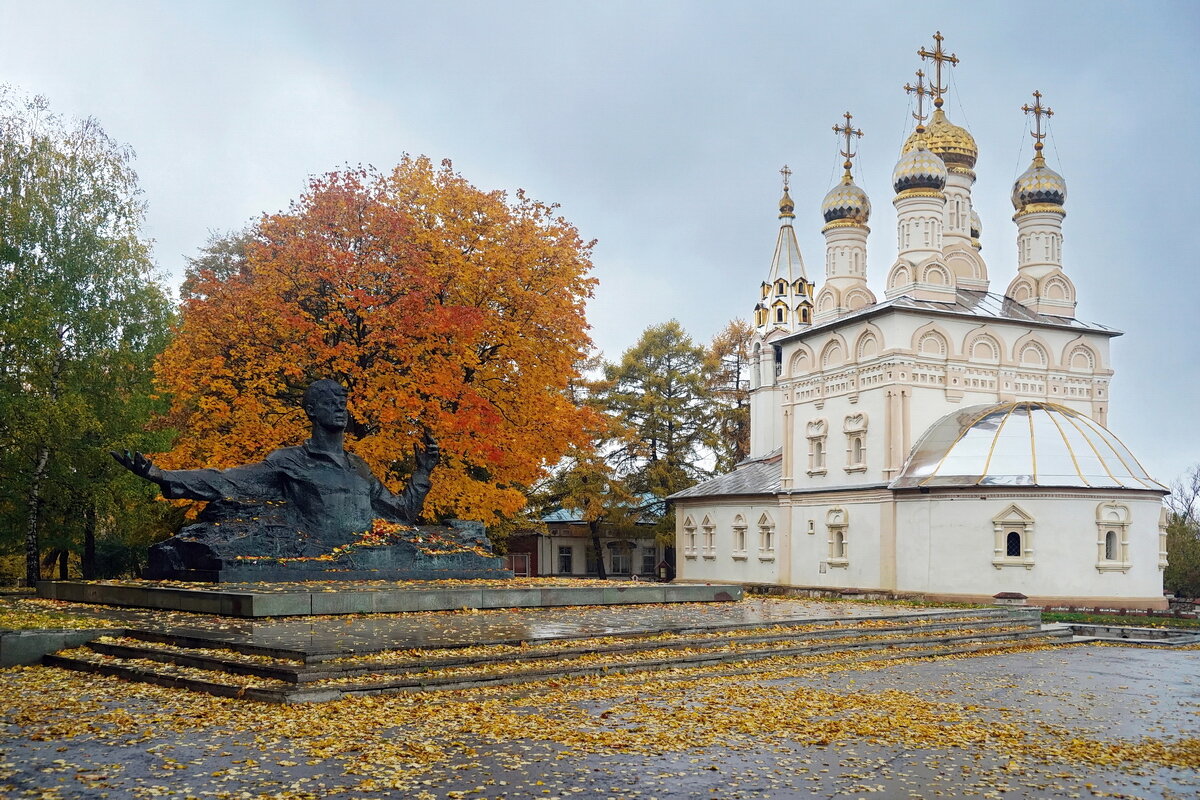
column 766, row 537
column 1162, row 539
column 710, row 537
column 836, row 524
column 1112, row 537
column 739, row 537
column 855, row 428
column 816, row 432
column 689, row 538
column 1013, row 531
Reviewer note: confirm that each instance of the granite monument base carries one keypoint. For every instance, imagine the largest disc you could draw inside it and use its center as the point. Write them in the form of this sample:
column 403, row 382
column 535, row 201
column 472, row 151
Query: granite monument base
column 427, row 552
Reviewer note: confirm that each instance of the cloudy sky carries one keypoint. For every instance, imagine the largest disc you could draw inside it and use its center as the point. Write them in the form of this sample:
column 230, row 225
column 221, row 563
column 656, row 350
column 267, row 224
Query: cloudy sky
column 660, row 128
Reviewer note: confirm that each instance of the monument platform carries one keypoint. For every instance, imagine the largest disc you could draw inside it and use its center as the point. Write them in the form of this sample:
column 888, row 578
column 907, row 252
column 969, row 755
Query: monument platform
column 308, row 599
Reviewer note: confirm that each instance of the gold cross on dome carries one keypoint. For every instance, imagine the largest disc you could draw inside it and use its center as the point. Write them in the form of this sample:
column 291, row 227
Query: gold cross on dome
column 1038, row 111
column 939, row 56
column 921, row 92
column 787, row 174
column 848, row 131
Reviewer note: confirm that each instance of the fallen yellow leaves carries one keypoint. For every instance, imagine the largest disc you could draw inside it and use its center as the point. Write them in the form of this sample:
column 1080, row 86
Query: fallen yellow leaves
column 394, row 741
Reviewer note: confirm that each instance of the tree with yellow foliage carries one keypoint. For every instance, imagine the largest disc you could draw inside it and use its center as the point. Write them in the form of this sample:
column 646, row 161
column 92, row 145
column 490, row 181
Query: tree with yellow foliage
column 450, row 314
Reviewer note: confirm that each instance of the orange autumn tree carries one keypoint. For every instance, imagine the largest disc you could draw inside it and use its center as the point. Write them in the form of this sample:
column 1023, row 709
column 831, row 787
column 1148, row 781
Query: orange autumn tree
column 448, row 312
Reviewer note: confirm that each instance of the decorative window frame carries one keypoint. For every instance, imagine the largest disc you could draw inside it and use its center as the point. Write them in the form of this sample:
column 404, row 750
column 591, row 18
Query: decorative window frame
column 689, row 537
column 739, row 538
column 766, row 538
column 817, row 431
column 837, row 522
column 1162, row 539
column 1013, row 518
column 1112, row 518
column 709, row 541
column 855, row 428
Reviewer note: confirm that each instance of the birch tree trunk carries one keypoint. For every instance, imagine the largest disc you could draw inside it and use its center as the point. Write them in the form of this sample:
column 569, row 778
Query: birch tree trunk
column 33, row 565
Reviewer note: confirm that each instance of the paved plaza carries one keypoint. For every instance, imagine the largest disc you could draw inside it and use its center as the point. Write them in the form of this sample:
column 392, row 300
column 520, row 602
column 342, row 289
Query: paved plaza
column 1034, row 722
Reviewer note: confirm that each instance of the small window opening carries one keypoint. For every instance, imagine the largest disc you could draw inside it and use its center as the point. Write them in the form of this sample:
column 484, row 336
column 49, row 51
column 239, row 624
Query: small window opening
column 1110, row 546
column 1013, row 544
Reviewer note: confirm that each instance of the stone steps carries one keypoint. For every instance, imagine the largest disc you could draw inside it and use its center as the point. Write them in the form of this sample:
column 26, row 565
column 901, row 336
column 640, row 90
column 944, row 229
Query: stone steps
column 222, row 671
column 185, row 651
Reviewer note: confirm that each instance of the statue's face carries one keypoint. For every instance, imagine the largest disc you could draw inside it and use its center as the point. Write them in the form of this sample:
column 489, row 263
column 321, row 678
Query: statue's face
column 328, row 409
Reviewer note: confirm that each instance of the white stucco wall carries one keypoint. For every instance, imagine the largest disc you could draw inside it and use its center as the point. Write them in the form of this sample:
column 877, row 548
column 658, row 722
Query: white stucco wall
column 946, row 544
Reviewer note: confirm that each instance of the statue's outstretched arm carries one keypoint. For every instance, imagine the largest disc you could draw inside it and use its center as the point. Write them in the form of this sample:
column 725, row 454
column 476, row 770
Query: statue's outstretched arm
column 138, row 464
column 252, row 480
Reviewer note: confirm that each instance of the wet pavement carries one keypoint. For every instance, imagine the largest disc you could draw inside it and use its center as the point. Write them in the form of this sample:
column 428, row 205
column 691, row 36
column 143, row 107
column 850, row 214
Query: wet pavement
column 1099, row 696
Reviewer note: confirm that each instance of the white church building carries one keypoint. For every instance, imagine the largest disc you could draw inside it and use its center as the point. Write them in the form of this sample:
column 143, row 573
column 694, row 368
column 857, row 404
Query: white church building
column 946, row 440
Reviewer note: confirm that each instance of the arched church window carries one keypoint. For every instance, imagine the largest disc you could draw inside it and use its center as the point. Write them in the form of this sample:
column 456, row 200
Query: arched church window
column 1015, row 544
column 856, row 450
column 836, row 522
column 779, row 315
column 766, row 537
column 739, row 536
column 1113, row 520
column 816, row 433
column 804, row 315
column 781, row 288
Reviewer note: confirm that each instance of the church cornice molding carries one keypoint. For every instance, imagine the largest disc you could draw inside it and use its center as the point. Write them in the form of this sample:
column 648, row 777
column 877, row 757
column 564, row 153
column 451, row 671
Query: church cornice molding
column 882, row 310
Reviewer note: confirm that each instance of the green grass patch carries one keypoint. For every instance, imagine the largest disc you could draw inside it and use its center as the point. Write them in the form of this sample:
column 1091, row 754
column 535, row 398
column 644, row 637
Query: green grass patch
column 1125, row 620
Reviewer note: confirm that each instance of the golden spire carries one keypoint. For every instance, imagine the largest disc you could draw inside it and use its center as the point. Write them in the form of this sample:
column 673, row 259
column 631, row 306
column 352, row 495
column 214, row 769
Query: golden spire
column 1038, row 111
column 921, row 92
column 939, row 56
column 847, row 152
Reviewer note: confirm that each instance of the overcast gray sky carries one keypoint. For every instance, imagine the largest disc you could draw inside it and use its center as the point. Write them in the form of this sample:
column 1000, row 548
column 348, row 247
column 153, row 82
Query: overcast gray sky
column 660, row 128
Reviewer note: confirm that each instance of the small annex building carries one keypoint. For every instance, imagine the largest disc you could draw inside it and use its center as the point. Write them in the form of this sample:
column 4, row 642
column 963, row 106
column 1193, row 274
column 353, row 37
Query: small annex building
column 945, row 440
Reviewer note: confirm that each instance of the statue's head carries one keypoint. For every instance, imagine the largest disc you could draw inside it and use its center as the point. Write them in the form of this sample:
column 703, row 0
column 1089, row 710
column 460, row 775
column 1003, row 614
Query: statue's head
column 325, row 404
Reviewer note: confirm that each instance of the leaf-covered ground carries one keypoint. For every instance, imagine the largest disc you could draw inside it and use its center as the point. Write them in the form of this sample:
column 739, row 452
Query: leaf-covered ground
column 1031, row 722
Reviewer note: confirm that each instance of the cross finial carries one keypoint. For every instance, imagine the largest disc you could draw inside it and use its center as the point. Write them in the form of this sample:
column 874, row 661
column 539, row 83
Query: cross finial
column 787, row 174
column 939, row 56
column 848, row 131
column 1038, row 111
column 921, row 91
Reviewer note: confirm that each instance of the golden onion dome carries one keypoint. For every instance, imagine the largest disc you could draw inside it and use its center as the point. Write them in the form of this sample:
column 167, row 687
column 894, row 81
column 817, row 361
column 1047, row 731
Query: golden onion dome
column 1038, row 185
column 846, row 201
column 786, row 206
column 956, row 147
column 919, row 169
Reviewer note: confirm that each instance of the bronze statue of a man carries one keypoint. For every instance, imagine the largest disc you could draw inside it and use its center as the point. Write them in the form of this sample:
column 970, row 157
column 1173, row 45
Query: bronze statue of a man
column 298, row 500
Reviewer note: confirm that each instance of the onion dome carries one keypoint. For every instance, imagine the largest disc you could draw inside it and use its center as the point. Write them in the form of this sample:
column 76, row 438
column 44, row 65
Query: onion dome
column 787, row 208
column 846, row 201
column 956, row 147
column 1039, row 185
column 919, row 168
column 1022, row 444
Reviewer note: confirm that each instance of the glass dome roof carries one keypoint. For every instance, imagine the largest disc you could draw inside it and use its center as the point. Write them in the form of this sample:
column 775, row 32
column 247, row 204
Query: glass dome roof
column 1022, row 444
